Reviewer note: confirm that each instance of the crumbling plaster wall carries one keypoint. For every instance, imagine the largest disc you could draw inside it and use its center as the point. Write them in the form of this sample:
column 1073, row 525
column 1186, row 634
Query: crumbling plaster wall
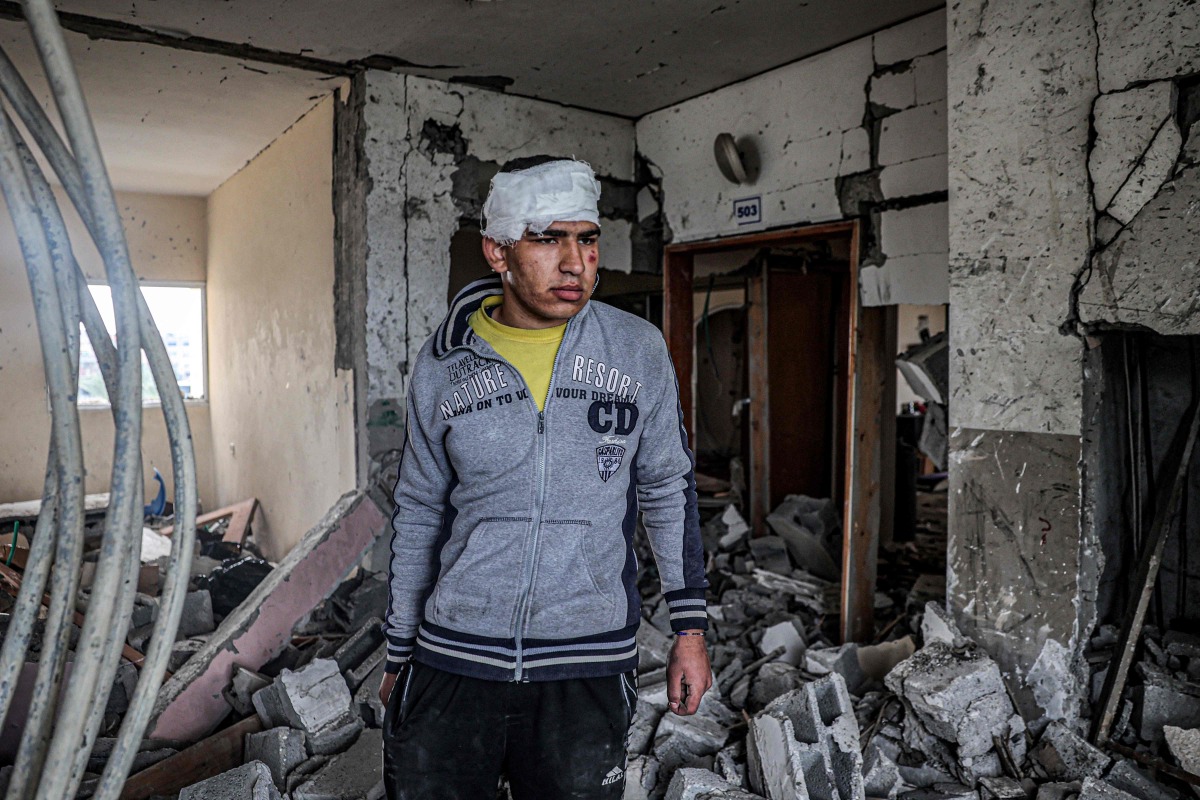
column 282, row 415
column 859, row 130
column 432, row 148
column 166, row 235
column 1071, row 184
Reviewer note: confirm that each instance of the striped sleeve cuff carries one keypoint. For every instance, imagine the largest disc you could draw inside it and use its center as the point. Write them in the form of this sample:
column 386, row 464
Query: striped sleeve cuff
column 688, row 609
column 399, row 651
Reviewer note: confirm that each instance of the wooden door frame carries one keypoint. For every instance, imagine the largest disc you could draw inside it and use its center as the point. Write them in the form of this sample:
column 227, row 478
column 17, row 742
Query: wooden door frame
column 869, row 349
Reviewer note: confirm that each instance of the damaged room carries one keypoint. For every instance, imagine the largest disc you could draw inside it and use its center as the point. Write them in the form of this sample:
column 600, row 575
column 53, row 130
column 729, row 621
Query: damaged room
column 521, row 400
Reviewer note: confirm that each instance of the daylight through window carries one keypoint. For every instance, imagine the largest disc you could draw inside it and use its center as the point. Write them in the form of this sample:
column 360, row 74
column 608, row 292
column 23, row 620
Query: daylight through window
column 178, row 312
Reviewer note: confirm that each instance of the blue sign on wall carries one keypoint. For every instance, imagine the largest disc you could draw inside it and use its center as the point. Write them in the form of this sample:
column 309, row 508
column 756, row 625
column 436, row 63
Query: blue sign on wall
column 748, row 210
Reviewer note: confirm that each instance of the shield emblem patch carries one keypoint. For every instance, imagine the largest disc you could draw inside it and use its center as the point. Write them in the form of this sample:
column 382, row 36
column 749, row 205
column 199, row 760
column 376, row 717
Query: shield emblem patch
column 608, row 460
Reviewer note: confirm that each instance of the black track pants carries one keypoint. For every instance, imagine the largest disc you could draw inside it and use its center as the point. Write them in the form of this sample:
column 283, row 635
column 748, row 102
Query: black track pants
column 447, row 737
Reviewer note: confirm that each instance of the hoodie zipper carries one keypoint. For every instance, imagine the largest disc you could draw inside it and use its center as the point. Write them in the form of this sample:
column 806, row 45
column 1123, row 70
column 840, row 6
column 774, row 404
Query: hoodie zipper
column 523, row 600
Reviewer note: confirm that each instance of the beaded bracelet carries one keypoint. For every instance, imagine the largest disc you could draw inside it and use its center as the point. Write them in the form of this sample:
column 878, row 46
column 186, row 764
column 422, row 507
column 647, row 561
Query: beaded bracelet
column 689, row 633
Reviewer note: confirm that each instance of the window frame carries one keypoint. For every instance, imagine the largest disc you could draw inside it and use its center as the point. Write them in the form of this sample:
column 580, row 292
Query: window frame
column 167, row 284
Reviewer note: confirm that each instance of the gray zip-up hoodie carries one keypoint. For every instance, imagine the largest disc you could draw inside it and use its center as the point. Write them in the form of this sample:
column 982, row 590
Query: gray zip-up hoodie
column 512, row 550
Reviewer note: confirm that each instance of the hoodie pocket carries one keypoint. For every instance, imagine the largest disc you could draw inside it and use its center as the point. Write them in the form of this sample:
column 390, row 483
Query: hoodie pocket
column 478, row 592
column 577, row 582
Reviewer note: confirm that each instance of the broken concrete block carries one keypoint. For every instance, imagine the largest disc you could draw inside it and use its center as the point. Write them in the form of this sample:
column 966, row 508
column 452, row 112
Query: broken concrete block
column 641, row 730
column 938, row 626
column 356, row 774
column 770, row 553
column 790, row 636
column 877, row 660
column 242, row 688
column 881, row 776
column 641, row 776
column 1063, row 755
column 771, row 681
column 1058, row 791
column 735, row 528
column 842, row 660
column 190, row 704
column 1164, row 700
column 197, row 618
column 679, row 740
column 367, row 701
column 1126, row 776
column 356, row 676
column 701, row 784
column 304, row 772
column 1098, row 789
column 806, row 744
column 316, row 700
column 805, row 547
column 268, row 704
column 959, row 696
column 1185, row 747
column 1001, row 787
column 359, row 646
column 1126, row 125
column 281, row 749
column 251, row 781
column 731, row 764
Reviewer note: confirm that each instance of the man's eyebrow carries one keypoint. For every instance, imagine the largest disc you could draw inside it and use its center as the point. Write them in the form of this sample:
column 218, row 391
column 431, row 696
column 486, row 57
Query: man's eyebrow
column 556, row 233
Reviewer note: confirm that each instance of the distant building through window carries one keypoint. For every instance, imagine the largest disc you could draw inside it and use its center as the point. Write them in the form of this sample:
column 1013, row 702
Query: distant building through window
column 178, row 311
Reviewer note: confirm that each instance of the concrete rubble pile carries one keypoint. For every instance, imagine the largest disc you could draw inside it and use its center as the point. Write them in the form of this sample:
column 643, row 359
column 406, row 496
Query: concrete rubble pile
column 792, row 716
column 1159, row 714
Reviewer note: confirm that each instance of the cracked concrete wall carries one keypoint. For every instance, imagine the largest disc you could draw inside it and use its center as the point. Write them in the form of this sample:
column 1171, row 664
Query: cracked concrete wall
column 431, row 149
column 857, row 131
column 1072, row 184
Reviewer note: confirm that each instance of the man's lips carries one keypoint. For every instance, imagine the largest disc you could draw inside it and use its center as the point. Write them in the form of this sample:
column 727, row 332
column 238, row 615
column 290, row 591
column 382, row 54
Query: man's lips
column 568, row 293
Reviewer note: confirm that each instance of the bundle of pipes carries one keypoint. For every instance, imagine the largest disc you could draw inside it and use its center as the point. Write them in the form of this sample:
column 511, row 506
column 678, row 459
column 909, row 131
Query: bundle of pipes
column 58, row 738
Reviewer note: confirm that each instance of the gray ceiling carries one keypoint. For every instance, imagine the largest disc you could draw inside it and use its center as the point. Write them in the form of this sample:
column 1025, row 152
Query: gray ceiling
column 625, row 57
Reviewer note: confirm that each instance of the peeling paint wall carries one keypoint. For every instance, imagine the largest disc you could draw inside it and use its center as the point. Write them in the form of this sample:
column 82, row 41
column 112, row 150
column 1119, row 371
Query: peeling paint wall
column 431, row 149
column 166, row 235
column 859, row 130
column 282, row 414
column 1073, row 185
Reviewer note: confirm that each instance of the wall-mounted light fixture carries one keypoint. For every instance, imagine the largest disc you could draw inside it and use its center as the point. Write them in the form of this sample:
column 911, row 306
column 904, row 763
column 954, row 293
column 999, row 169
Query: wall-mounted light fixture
column 737, row 160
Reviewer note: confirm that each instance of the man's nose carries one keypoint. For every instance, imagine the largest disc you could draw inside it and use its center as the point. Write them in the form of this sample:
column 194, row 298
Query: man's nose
column 572, row 260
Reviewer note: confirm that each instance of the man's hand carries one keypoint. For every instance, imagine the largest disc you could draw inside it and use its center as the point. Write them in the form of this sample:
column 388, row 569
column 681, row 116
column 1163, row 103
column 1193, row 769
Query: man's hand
column 385, row 687
column 689, row 675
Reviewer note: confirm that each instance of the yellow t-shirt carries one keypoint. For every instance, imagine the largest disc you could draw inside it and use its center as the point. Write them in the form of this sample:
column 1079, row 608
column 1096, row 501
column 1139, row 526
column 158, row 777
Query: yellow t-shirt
column 531, row 351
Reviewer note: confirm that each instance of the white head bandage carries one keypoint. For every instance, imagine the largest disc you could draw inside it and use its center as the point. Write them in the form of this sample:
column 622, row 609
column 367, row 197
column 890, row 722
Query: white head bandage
column 531, row 199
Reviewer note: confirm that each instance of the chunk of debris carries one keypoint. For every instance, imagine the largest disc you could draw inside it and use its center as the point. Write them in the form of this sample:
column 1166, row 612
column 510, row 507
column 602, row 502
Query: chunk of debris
column 842, row 660
column 735, row 527
column 359, row 645
column 316, row 700
column 1126, row 776
column 770, row 553
column 197, row 616
column 806, row 744
column 958, row 696
column 938, row 626
column 790, row 636
column 1164, row 700
column 653, row 647
column 1063, row 755
column 366, row 698
column 356, row 774
column 1001, row 787
column 641, row 776
column 702, row 784
column 181, row 651
column 1185, row 747
column 251, row 781
column 190, row 704
column 881, row 776
column 1097, row 789
column 281, row 749
column 240, row 691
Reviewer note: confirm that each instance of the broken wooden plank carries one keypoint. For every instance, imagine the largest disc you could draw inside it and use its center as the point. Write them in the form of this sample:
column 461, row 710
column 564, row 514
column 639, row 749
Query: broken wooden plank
column 190, row 705
column 240, row 515
column 218, row 753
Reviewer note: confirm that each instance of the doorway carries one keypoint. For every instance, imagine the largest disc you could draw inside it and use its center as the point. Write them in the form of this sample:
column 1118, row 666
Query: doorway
column 819, row 389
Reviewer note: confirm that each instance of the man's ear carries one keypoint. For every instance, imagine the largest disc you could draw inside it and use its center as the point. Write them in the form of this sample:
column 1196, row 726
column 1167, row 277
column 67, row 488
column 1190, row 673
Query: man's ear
column 493, row 251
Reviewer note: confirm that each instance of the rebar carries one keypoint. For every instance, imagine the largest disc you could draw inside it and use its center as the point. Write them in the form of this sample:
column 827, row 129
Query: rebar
column 51, row 760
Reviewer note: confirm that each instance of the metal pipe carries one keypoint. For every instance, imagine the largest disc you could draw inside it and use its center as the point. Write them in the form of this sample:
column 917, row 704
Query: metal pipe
column 182, row 457
column 75, row 733
column 66, row 440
